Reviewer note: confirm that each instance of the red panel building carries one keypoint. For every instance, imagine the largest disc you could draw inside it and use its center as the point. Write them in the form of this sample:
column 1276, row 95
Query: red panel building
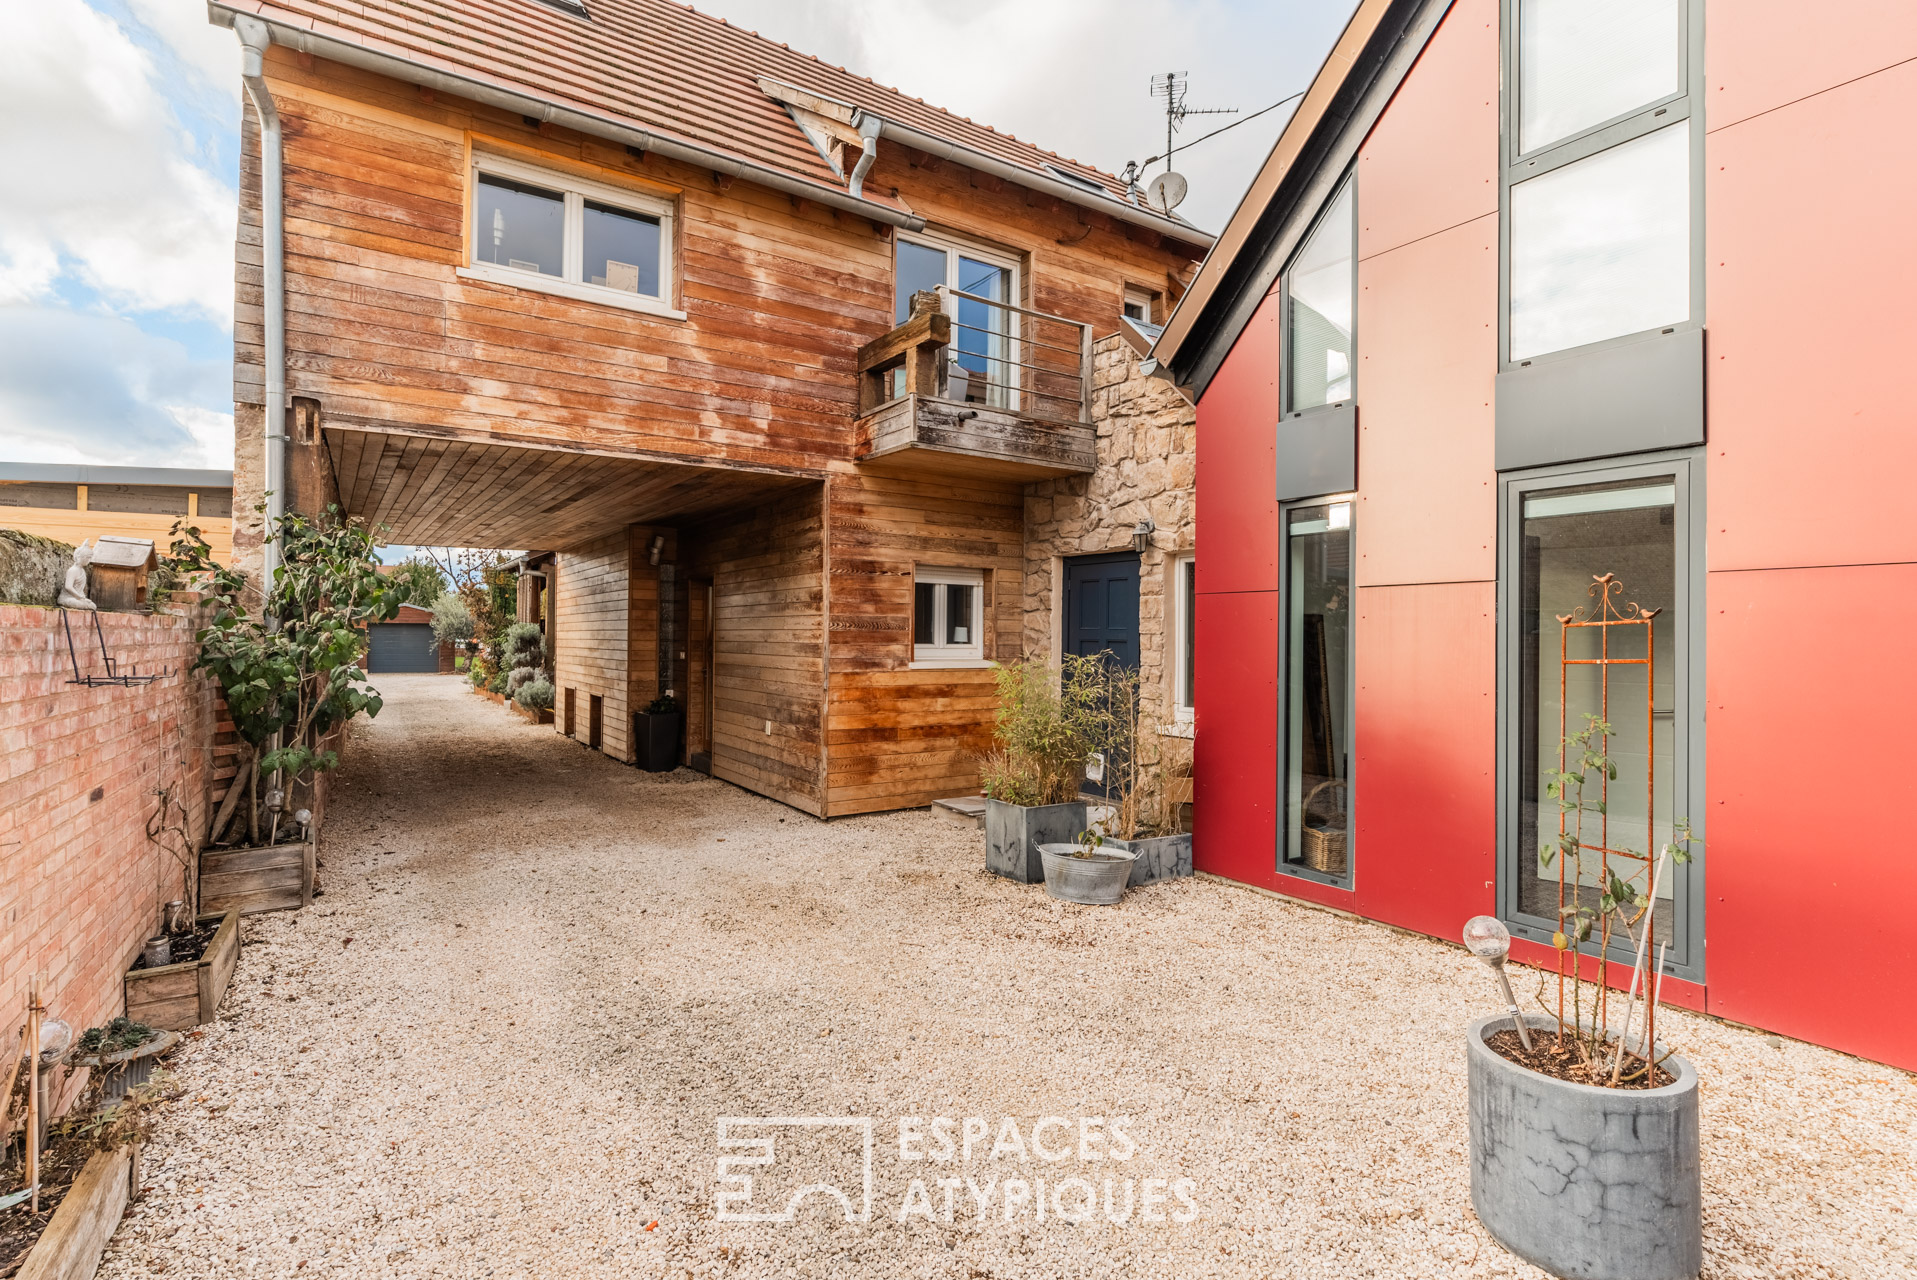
column 1543, row 315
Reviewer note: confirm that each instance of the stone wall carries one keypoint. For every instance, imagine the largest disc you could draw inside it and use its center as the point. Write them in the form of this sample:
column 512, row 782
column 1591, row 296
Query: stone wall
column 32, row 568
column 80, row 885
column 1147, row 452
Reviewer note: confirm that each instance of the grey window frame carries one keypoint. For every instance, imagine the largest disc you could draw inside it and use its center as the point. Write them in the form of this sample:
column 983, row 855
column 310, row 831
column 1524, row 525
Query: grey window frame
column 1516, row 167
column 1316, row 449
column 1349, row 880
column 1687, row 466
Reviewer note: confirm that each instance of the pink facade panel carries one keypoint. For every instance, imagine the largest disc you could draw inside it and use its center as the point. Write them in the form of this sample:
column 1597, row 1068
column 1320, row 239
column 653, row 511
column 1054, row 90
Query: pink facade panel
column 1425, row 797
column 1811, row 270
column 1762, row 54
column 1432, row 160
column 1427, row 358
column 1810, row 870
column 1237, row 468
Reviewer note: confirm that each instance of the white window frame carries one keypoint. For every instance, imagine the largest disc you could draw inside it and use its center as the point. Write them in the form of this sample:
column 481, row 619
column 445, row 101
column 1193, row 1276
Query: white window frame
column 1142, row 298
column 570, row 283
column 1184, row 566
column 951, row 247
column 971, row 654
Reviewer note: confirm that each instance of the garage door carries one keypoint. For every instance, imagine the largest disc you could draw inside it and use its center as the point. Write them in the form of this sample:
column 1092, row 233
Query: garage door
column 402, row 646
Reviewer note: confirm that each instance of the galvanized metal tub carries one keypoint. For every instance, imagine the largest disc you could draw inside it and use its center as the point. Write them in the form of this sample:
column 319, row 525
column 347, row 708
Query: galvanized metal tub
column 1097, row 880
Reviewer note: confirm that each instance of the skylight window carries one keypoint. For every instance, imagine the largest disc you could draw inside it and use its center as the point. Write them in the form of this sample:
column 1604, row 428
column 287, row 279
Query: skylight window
column 1078, row 180
column 577, row 8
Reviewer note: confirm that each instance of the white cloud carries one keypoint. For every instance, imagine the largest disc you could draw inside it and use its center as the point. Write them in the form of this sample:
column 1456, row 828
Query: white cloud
column 78, row 387
column 103, row 180
column 1073, row 76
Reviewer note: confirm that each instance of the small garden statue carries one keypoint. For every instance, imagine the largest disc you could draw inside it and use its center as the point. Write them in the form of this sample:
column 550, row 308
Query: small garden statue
column 74, row 594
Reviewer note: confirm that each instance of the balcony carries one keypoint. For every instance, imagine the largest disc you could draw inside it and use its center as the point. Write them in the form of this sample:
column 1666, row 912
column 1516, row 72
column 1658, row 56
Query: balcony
column 972, row 386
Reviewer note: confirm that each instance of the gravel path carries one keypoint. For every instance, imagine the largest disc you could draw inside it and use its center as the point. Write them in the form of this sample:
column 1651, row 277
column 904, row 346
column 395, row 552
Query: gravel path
column 500, row 1042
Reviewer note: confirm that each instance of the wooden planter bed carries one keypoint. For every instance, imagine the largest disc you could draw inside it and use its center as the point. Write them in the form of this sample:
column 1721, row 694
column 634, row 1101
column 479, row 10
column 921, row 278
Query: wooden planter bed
column 176, row 997
column 536, row 715
column 274, row 878
column 489, row 694
column 84, row 1220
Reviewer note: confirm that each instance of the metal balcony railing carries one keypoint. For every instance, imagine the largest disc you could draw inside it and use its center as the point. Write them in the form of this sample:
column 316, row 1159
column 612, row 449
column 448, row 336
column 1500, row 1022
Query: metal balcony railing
column 970, row 349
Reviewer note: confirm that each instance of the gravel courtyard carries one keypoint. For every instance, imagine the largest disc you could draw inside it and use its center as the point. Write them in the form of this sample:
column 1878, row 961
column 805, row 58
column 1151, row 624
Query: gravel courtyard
column 501, row 1042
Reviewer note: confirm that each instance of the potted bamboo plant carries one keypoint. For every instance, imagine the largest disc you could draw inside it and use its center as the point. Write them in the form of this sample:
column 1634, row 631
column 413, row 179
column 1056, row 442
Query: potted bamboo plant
column 291, row 677
column 1589, row 1095
column 1031, row 777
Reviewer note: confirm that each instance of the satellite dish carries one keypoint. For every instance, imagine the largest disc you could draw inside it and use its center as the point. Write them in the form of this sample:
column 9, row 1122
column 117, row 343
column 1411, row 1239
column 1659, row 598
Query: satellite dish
column 1167, row 191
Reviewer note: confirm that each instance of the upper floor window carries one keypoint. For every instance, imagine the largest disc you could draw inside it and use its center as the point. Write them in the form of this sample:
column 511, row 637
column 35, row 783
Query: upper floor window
column 1600, row 214
column 559, row 234
column 1321, row 287
column 983, row 361
column 1138, row 305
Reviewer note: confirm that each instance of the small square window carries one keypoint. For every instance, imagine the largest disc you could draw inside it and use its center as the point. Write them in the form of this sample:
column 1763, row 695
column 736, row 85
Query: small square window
column 947, row 615
column 1138, row 305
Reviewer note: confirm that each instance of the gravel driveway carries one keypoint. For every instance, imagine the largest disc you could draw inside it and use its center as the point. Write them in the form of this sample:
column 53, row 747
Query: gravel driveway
column 501, row 1042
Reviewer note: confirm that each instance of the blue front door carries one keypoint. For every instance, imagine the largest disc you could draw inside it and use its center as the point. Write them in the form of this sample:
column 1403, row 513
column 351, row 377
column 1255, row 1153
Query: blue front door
column 1101, row 606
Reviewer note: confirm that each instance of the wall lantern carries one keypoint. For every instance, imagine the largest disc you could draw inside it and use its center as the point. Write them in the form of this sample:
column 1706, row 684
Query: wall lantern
column 1142, row 534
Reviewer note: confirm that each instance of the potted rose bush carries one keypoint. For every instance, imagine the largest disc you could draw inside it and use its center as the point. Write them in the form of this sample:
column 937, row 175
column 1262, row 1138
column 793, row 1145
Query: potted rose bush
column 1584, row 1126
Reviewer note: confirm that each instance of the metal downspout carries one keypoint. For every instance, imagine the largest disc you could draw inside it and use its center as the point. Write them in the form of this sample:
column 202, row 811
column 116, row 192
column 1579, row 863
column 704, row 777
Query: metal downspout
column 870, row 126
column 254, row 39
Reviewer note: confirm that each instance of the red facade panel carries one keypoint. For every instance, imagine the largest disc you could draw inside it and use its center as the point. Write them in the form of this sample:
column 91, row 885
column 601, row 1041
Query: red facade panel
column 1236, row 687
column 1810, row 871
column 1811, row 270
column 1425, row 797
column 1237, row 472
column 1762, row 54
column 1432, row 160
column 1427, row 357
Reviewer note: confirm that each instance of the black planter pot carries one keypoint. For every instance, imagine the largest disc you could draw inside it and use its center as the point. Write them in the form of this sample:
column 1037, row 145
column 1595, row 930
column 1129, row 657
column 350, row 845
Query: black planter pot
column 656, row 739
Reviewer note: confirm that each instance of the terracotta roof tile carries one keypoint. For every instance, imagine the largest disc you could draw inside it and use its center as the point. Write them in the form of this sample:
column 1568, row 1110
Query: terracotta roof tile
column 664, row 66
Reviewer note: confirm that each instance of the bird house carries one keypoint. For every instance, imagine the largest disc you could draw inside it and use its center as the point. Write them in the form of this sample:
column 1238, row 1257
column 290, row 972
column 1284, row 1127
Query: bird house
column 117, row 580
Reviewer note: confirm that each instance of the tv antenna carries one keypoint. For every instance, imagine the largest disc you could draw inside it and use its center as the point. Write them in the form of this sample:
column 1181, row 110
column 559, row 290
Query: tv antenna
column 1171, row 87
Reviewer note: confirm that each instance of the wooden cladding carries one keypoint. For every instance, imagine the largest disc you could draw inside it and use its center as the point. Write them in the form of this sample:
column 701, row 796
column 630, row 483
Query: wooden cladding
column 593, row 609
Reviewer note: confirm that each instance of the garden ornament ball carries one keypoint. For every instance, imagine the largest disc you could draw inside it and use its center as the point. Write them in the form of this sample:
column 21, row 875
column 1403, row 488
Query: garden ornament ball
column 55, row 1036
column 1486, row 938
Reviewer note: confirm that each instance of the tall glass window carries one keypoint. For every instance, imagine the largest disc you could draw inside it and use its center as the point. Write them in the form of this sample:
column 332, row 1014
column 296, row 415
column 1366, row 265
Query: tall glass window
column 1316, row 828
column 1597, row 612
column 1599, row 149
column 982, row 363
column 1321, row 309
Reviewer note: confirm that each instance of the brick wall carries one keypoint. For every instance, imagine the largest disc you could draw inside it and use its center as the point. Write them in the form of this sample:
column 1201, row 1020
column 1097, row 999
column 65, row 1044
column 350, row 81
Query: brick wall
column 80, row 885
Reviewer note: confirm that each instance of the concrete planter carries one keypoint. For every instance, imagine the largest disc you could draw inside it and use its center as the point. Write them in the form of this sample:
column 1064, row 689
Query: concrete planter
column 1587, row 1183
column 1155, row 857
column 1096, row 880
column 1013, row 833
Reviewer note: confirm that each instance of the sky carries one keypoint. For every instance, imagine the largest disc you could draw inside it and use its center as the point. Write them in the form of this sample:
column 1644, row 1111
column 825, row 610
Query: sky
column 119, row 133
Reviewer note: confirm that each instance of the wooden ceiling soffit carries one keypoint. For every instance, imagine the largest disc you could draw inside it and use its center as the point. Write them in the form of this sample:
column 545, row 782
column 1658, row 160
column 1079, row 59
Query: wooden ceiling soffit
column 436, row 491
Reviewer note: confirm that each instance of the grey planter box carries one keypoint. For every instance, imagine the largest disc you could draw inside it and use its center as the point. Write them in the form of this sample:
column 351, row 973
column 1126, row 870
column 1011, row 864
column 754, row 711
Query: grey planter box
column 1013, row 833
column 1587, row 1183
column 1155, row 857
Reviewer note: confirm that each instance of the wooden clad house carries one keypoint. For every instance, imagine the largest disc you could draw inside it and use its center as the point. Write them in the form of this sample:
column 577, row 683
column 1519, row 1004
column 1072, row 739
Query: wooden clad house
column 769, row 356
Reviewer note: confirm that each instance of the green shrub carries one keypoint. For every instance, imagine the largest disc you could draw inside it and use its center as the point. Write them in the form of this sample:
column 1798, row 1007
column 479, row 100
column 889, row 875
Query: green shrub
column 452, row 620
column 536, row 694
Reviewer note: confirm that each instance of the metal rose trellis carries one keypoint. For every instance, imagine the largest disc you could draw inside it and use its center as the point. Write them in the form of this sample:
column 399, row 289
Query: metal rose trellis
column 1627, row 880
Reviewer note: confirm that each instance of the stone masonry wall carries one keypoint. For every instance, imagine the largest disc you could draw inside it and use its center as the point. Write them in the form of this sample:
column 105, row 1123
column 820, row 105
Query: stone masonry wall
column 1147, row 455
column 80, row 885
